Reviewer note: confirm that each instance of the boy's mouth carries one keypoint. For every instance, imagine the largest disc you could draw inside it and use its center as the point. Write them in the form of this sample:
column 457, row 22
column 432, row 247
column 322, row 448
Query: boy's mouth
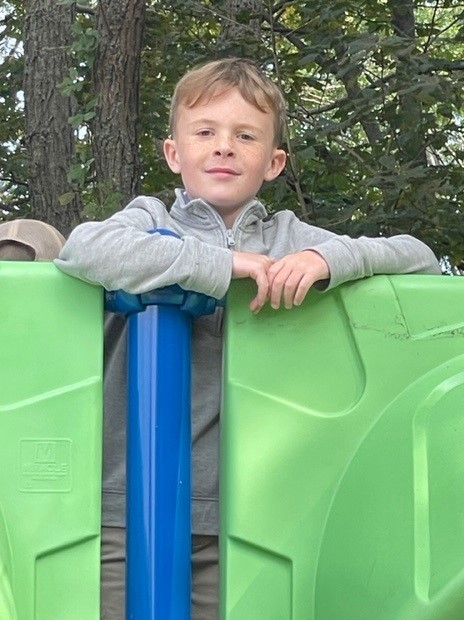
column 222, row 170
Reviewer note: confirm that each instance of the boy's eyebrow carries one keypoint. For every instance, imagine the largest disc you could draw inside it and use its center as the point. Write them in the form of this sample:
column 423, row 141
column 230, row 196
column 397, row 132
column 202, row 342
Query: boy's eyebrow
column 201, row 121
column 245, row 126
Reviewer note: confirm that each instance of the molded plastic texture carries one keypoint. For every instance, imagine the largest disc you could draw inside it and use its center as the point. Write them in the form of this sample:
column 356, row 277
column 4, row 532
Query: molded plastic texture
column 50, row 428
column 342, row 454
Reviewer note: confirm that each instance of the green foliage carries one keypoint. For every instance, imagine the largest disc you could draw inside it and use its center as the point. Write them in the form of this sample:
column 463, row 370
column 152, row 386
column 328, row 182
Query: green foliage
column 377, row 137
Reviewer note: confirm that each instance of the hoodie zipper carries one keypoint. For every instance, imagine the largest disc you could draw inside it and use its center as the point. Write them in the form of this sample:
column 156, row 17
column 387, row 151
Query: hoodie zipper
column 230, row 238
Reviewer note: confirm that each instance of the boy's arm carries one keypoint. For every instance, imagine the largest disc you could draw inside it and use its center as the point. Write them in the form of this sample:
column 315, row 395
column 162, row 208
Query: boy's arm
column 339, row 259
column 119, row 253
column 352, row 259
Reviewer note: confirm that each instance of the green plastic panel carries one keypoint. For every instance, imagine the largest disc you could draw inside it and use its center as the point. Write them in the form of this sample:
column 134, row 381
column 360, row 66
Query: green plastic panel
column 51, row 338
column 342, row 438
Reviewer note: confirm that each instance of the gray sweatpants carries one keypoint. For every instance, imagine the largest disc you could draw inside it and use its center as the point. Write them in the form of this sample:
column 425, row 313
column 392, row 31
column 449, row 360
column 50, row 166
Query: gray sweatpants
column 205, row 575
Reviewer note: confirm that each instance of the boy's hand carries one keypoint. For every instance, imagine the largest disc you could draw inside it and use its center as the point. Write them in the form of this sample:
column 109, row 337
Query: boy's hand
column 256, row 266
column 291, row 277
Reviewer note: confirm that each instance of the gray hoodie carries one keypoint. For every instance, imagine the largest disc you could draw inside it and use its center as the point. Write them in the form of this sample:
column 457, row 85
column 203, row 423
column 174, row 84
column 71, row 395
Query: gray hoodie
column 119, row 254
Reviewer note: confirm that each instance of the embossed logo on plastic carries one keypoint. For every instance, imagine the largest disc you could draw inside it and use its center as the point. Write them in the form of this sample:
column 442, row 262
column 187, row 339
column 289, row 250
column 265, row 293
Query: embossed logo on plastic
column 45, row 465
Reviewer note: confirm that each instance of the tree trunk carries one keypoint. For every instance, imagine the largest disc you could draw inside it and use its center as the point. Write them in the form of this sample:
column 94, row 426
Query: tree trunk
column 241, row 28
column 411, row 139
column 49, row 137
column 120, row 24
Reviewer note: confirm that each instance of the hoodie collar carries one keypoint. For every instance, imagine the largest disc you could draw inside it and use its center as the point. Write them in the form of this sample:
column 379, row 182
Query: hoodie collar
column 206, row 216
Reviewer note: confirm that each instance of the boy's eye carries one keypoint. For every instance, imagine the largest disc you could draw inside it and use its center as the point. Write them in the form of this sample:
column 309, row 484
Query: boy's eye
column 204, row 132
column 245, row 136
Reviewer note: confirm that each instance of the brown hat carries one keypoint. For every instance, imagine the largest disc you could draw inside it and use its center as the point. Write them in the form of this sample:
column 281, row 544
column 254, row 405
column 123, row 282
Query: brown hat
column 29, row 240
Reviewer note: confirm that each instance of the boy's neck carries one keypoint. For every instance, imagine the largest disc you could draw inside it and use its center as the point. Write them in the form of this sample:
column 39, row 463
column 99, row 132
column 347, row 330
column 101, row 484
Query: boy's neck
column 229, row 220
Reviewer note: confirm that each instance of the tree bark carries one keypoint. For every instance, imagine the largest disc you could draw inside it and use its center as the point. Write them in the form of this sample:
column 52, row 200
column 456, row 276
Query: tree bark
column 241, row 28
column 120, row 24
column 50, row 140
column 411, row 139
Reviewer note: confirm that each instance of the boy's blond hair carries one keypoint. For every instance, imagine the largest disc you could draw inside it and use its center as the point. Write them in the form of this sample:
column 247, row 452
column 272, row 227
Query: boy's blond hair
column 205, row 81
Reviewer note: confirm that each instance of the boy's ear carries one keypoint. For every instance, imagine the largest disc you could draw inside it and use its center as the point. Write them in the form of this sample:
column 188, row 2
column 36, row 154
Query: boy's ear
column 170, row 154
column 276, row 165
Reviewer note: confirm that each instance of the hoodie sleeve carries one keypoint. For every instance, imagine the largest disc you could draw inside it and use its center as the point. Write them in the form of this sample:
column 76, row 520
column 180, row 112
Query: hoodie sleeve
column 119, row 253
column 354, row 258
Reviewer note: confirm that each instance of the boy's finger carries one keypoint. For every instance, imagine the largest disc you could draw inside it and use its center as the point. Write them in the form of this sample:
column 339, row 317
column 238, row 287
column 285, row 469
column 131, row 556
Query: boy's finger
column 255, row 306
column 274, row 270
column 294, row 287
column 262, row 294
column 277, row 287
column 305, row 284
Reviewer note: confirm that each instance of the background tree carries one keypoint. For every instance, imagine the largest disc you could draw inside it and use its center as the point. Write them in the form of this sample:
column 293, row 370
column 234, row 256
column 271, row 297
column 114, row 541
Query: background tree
column 120, row 25
column 240, row 33
column 369, row 84
column 49, row 138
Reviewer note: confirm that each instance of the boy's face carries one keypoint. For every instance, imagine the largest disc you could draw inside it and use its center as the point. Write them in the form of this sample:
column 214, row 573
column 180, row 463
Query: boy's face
column 224, row 150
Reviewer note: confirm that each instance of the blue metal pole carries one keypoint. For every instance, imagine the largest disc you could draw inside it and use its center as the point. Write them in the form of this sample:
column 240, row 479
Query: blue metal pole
column 158, row 465
column 158, row 545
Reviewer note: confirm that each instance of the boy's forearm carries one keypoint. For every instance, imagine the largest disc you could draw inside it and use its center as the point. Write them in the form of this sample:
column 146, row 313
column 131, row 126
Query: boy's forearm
column 352, row 259
column 119, row 253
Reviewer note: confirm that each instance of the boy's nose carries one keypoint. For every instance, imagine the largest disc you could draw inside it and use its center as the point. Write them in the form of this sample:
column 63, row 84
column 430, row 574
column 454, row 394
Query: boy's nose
column 223, row 146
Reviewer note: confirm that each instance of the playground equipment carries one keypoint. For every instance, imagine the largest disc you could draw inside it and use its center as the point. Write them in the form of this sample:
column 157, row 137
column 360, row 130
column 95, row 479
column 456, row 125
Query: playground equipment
column 342, row 467
column 342, row 458
column 50, row 419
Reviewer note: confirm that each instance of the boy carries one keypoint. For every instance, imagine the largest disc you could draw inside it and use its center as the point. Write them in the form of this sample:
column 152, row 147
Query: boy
column 227, row 121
